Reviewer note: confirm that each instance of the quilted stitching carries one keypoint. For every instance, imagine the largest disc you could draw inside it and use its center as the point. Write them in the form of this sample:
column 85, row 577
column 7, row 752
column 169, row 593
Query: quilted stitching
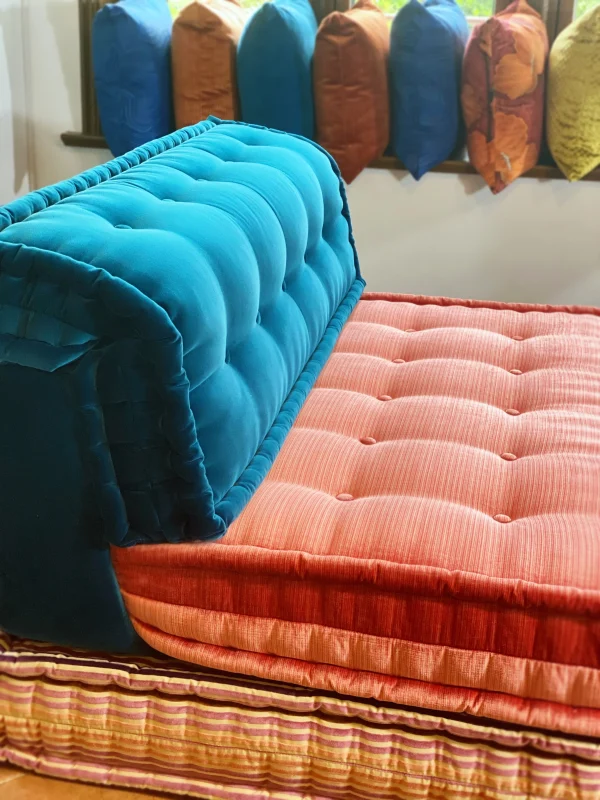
column 254, row 225
column 433, row 515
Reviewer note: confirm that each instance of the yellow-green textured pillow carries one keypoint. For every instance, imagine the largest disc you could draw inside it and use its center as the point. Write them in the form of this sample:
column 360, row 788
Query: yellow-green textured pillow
column 574, row 97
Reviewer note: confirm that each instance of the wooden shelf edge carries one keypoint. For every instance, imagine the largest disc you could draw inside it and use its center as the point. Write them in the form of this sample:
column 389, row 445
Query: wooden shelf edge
column 455, row 167
column 74, row 139
column 465, row 168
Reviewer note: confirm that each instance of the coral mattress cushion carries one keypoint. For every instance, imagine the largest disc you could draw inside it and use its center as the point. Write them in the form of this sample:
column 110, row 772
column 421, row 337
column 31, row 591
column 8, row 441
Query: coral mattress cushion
column 434, row 513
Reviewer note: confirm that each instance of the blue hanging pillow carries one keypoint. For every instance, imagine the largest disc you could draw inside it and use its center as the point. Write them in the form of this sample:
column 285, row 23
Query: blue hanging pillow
column 274, row 65
column 427, row 47
column 131, row 47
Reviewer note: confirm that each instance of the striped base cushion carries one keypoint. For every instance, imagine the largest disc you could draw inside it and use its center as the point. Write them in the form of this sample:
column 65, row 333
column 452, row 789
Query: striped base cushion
column 163, row 725
column 433, row 516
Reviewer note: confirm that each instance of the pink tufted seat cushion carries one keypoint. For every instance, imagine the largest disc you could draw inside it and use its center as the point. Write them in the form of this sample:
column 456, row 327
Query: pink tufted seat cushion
column 434, row 515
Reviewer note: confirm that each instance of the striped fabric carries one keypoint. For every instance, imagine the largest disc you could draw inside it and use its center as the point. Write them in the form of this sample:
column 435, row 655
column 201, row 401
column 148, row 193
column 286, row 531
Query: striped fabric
column 163, row 725
column 429, row 533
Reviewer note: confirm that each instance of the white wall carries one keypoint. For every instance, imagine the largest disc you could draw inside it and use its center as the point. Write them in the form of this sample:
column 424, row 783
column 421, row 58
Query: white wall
column 52, row 34
column 14, row 166
column 538, row 241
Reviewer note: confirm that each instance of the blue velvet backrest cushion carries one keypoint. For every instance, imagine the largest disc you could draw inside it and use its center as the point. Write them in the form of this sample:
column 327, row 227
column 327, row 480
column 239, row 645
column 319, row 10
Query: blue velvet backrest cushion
column 426, row 52
column 131, row 52
column 274, row 67
column 190, row 292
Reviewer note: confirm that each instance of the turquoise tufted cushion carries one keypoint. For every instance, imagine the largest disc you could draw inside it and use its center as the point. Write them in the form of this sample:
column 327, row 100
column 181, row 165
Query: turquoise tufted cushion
column 162, row 319
column 192, row 290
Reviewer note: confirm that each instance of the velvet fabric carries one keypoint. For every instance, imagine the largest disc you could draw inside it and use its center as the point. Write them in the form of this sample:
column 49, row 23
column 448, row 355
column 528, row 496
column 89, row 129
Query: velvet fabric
column 351, row 86
column 274, row 67
column 427, row 46
column 131, row 49
column 56, row 579
column 175, row 306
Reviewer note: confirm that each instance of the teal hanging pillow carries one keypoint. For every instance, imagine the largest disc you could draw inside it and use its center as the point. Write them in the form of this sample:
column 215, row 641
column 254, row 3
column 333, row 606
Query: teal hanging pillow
column 274, row 66
column 131, row 47
column 426, row 51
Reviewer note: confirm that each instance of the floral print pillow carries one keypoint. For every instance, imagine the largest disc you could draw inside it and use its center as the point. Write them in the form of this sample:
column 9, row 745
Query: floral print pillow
column 503, row 93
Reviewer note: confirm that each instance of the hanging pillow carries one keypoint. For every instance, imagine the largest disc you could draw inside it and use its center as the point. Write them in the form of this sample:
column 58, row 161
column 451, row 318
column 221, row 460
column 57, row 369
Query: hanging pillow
column 574, row 97
column 205, row 39
column 503, row 94
column 427, row 47
column 351, row 86
column 131, row 47
column 274, row 66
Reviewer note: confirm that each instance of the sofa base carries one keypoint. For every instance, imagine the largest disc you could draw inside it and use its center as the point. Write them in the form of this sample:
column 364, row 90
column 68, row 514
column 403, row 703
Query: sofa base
column 163, row 725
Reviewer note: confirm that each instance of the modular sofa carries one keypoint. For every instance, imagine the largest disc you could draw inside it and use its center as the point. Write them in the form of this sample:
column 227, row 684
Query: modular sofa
column 263, row 535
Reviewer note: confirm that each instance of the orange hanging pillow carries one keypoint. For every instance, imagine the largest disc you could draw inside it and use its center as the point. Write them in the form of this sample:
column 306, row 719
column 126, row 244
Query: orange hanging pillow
column 503, row 93
column 204, row 44
column 351, row 86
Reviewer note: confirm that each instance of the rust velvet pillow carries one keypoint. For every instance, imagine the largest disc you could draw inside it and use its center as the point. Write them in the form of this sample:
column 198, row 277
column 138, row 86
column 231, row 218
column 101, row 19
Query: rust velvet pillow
column 204, row 44
column 351, row 86
column 503, row 93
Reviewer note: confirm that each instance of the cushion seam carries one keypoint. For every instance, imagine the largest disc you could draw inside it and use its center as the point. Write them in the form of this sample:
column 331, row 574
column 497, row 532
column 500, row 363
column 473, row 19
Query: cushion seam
column 371, row 588
column 445, row 302
column 354, row 635
column 304, row 384
column 150, row 737
column 119, row 164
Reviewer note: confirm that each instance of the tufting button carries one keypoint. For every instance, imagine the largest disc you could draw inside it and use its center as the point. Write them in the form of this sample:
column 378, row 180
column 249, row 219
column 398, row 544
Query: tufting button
column 258, row 318
column 227, row 357
column 518, row 338
column 368, row 440
column 410, row 330
column 502, row 518
column 284, row 286
column 515, row 371
column 513, row 412
column 123, row 227
column 384, row 397
column 508, row 456
column 398, row 361
column 344, row 497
